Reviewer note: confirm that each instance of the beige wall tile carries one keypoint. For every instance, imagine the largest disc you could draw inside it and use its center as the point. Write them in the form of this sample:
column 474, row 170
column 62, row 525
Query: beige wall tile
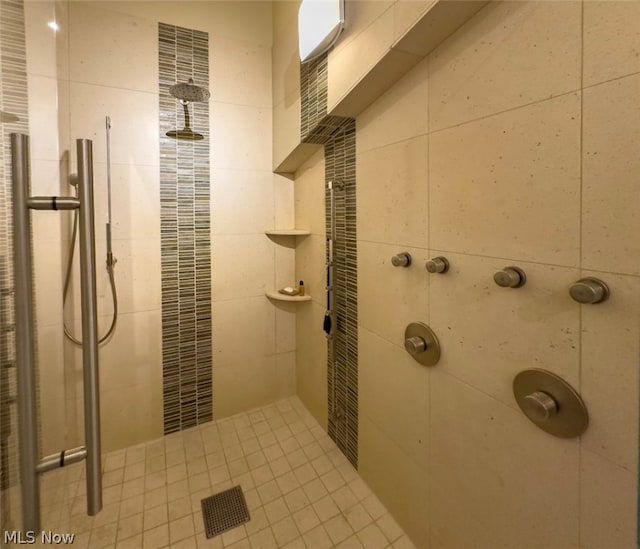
column 286, row 326
column 510, row 54
column 286, row 128
column 397, row 480
column 611, row 191
column 133, row 355
column 406, row 13
column 43, row 116
column 62, row 38
column 309, row 193
column 495, row 477
column 311, row 360
column 608, row 503
column 611, row 40
column 284, row 202
column 284, row 11
column 488, row 333
column 242, row 386
column 516, row 192
column 393, row 393
column 231, row 331
column 393, row 194
column 65, row 144
column 130, row 380
column 51, row 371
column 126, row 45
column 356, row 57
column 45, row 181
column 362, row 14
column 254, row 253
column 285, row 262
column 311, row 266
column 286, row 61
column 241, row 201
column 239, row 137
column 391, row 297
column 40, row 38
column 137, row 276
column 134, row 139
column 47, row 285
column 399, row 114
column 245, row 21
column 286, row 374
column 135, row 200
column 610, row 357
column 130, row 415
column 240, row 72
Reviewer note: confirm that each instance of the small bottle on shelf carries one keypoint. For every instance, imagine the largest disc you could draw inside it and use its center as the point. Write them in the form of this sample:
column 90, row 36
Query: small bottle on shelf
column 301, row 288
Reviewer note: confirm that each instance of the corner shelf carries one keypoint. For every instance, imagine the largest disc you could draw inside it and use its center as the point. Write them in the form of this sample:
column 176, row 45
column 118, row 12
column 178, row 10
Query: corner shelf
column 282, row 297
column 287, row 232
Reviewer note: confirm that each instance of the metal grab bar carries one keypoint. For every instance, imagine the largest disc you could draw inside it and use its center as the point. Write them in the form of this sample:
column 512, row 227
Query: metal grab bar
column 30, row 465
column 25, row 348
column 89, row 303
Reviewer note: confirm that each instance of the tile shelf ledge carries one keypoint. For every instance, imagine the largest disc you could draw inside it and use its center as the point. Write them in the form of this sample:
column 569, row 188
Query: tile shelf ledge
column 287, row 232
column 282, row 297
column 440, row 20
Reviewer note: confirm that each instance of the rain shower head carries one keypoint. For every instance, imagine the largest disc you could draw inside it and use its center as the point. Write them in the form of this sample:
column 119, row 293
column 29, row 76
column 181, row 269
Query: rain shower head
column 189, row 92
column 186, row 134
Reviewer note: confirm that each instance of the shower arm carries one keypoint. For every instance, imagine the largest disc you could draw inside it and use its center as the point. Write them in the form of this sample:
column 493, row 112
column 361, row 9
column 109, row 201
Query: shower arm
column 187, row 120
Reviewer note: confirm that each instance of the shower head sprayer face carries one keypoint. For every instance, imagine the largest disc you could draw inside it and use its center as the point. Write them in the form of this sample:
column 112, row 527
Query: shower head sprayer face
column 186, row 134
column 189, row 92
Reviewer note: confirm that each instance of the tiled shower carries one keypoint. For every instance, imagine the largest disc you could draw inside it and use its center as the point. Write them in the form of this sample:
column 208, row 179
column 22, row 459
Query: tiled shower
column 512, row 142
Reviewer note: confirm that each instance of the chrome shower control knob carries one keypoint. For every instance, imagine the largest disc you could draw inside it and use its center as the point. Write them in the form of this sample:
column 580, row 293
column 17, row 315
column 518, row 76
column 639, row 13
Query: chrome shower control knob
column 589, row 290
column 437, row 265
column 415, row 345
column 539, row 406
column 510, row 277
column 403, row 259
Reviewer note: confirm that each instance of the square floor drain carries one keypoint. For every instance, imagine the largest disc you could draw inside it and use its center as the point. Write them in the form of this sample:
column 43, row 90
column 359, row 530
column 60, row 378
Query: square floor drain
column 224, row 511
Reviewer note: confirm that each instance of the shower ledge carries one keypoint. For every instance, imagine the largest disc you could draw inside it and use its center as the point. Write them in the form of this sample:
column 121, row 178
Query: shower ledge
column 287, row 232
column 281, row 297
column 439, row 21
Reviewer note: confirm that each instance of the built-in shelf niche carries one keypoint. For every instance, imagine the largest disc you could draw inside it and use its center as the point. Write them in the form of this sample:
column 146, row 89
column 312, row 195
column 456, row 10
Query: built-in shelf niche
column 274, row 294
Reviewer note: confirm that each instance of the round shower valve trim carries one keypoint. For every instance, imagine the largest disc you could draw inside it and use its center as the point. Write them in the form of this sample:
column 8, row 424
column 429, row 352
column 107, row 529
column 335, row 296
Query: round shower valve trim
column 589, row 290
column 510, row 277
column 551, row 403
column 403, row 259
column 422, row 344
column 438, row 265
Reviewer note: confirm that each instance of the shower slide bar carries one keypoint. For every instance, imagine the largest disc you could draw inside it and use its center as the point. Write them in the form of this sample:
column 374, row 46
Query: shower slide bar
column 30, row 463
column 329, row 323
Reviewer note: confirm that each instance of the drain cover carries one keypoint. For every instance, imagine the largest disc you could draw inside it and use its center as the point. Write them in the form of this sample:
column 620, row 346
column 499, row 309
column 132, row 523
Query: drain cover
column 224, row 511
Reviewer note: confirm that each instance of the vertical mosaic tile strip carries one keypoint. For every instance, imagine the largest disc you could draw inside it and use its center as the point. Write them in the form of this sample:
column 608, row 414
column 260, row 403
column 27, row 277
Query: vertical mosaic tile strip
column 313, row 94
column 340, row 165
column 316, row 126
column 185, row 235
column 13, row 118
column 338, row 136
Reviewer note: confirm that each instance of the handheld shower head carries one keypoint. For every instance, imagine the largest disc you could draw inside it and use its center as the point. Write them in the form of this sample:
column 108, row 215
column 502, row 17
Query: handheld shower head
column 188, row 91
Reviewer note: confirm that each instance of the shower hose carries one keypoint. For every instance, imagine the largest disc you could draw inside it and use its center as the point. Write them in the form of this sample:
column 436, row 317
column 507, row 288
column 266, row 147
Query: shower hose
column 67, row 279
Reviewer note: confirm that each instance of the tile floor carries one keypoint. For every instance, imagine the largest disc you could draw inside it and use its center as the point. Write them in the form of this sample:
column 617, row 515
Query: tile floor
column 301, row 491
